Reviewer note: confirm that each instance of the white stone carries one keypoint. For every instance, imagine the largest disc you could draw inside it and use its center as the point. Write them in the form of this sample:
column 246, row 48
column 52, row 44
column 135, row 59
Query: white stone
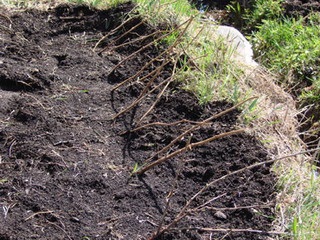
column 241, row 46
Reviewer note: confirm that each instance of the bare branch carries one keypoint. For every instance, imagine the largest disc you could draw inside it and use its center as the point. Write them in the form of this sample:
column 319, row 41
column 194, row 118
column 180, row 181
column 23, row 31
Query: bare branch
column 187, row 147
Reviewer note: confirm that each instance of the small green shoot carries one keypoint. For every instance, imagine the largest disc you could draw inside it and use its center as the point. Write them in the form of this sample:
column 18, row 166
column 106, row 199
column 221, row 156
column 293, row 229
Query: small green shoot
column 84, row 91
column 253, row 105
column 135, row 169
column 295, row 227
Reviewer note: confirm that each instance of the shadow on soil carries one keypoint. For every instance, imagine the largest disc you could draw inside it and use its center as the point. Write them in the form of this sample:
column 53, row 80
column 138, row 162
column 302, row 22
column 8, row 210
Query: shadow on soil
column 64, row 167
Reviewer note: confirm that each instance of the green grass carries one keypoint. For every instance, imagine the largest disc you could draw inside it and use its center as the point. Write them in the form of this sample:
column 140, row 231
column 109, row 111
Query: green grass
column 303, row 208
column 289, row 47
column 262, row 10
column 217, row 74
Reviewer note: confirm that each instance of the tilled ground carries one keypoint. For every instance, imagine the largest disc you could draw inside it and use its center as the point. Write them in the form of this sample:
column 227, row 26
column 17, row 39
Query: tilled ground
column 65, row 163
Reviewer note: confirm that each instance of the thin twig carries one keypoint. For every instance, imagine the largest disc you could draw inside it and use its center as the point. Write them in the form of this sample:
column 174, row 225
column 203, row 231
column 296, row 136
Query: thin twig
column 159, row 95
column 197, row 126
column 167, row 124
column 316, row 153
column 237, row 230
column 168, row 199
column 184, row 210
column 138, row 73
column 126, row 32
column 60, row 229
column 142, row 94
column 111, row 32
column 132, row 42
column 37, row 213
column 207, row 202
column 228, row 208
column 151, row 43
column 187, row 147
column 156, row 58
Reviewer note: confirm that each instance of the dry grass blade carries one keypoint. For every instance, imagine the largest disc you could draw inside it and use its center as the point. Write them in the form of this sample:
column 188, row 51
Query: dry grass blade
column 186, row 148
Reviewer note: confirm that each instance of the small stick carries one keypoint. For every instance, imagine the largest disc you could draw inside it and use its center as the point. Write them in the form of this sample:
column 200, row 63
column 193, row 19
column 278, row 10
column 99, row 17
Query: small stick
column 237, row 230
column 142, row 94
column 37, row 213
column 150, row 44
column 138, row 73
column 159, row 95
column 133, row 41
column 184, row 210
column 198, row 125
column 111, row 32
column 187, row 147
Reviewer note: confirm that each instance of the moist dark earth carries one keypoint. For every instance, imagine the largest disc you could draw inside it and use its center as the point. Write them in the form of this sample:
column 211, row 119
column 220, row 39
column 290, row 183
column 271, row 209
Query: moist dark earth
column 291, row 7
column 66, row 162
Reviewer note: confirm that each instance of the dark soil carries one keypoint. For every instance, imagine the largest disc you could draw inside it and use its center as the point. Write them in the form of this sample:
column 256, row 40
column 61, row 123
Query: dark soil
column 296, row 8
column 65, row 166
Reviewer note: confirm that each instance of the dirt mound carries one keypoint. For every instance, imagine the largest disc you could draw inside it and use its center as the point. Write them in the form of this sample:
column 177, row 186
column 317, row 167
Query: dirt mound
column 65, row 165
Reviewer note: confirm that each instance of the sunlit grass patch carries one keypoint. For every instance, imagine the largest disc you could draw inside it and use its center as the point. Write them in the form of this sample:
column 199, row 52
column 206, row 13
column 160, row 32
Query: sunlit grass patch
column 292, row 48
column 299, row 199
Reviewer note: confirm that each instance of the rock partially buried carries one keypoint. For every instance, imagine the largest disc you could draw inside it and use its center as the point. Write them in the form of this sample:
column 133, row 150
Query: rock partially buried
column 220, row 215
column 242, row 48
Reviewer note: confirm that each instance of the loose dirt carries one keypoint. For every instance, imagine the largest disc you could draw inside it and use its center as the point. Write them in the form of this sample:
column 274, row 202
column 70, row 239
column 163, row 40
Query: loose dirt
column 65, row 164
